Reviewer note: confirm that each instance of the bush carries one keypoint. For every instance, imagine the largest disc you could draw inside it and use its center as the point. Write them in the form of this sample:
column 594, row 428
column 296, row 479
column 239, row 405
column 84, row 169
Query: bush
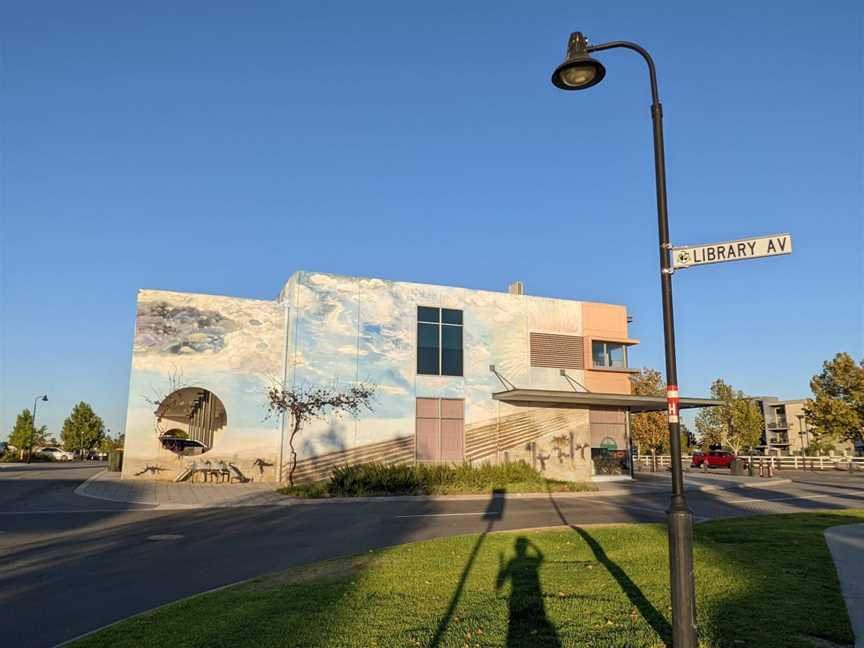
column 374, row 479
column 364, row 480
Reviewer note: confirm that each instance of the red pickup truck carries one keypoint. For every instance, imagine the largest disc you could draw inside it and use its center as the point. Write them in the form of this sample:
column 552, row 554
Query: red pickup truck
column 714, row 459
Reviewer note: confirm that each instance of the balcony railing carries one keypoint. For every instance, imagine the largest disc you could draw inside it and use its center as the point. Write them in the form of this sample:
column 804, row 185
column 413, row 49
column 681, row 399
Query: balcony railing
column 777, row 425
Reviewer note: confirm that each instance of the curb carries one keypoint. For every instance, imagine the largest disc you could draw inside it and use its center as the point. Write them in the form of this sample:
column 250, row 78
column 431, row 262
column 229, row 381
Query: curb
column 81, row 491
column 770, row 482
column 289, row 500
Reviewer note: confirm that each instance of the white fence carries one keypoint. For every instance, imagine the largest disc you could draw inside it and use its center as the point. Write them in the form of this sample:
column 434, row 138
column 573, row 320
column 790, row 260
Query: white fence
column 836, row 462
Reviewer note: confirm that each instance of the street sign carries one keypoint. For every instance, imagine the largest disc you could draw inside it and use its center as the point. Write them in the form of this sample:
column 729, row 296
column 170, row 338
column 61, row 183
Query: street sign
column 752, row 248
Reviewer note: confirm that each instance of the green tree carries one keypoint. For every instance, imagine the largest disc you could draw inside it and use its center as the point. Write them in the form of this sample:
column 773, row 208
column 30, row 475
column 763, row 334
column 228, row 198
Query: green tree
column 82, row 429
column 23, row 434
column 649, row 430
column 109, row 443
column 836, row 410
column 737, row 423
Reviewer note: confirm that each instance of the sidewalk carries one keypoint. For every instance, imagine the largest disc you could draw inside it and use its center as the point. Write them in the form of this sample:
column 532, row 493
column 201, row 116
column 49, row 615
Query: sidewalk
column 168, row 495
column 847, row 548
column 699, row 481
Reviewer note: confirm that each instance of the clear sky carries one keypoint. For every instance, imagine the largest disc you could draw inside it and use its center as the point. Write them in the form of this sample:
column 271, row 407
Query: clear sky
column 217, row 147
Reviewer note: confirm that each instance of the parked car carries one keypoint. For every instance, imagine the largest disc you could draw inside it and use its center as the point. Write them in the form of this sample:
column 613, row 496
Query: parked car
column 713, row 459
column 55, row 454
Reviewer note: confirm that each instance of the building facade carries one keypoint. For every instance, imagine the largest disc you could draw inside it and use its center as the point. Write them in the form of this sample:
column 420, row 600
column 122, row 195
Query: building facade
column 202, row 365
column 787, row 431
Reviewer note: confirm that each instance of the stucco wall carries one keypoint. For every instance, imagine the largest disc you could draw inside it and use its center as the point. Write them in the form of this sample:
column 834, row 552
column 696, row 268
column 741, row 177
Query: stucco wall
column 231, row 347
column 327, row 329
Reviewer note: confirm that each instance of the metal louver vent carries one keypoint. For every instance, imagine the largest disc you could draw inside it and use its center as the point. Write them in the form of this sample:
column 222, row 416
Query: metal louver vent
column 557, row 351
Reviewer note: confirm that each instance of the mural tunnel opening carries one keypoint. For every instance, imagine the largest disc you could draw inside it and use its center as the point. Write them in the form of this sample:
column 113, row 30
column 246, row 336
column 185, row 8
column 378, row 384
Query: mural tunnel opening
column 187, row 420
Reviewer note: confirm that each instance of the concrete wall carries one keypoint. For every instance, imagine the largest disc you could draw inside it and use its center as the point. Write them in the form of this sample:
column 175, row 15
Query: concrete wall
column 333, row 330
column 229, row 346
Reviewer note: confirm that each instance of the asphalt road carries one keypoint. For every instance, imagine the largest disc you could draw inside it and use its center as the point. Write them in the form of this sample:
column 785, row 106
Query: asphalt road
column 70, row 564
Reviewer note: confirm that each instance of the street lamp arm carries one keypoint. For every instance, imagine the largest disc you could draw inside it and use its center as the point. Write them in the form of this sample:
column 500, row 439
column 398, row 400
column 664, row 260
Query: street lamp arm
column 655, row 95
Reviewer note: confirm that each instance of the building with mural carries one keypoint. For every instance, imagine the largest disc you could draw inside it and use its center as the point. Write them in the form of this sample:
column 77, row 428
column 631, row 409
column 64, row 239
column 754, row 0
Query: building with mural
column 460, row 376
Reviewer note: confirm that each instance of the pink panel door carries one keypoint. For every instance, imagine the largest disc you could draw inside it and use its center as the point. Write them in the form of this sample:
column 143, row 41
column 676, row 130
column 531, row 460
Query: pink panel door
column 428, row 439
column 452, row 408
column 452, row 440
column 428, row 408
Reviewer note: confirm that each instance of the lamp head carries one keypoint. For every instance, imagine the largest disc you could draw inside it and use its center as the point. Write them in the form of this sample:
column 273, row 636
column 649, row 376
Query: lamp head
column 579, row 70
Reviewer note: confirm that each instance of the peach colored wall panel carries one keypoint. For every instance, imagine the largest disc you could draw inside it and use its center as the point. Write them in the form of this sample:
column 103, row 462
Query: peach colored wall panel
column 599, row 320
column 608, row 382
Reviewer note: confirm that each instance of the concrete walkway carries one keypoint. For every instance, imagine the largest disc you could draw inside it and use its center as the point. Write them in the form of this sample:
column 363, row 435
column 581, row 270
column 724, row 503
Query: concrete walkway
column 847, row 548
column 168, row 495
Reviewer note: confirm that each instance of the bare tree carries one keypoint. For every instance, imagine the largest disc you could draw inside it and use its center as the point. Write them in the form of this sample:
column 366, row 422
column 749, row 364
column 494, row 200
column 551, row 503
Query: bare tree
column 305, row 402
column 162, row 400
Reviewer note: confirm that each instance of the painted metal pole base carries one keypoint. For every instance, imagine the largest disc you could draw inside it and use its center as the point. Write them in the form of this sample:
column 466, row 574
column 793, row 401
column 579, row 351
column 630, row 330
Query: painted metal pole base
column 680, row 521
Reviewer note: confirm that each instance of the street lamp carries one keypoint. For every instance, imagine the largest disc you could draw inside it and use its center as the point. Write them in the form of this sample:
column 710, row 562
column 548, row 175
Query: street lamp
column 803, row 433
column 578, row 72
column 44, row 397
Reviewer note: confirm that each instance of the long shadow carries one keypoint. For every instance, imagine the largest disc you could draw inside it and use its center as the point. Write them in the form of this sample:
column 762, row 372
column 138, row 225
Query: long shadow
column 651, row 614
column 494, row 511
column 527, row 624
column 859, row 488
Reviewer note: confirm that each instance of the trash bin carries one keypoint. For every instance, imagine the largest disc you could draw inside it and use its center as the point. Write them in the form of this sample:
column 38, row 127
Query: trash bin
column 738, row 466
column 115, row 460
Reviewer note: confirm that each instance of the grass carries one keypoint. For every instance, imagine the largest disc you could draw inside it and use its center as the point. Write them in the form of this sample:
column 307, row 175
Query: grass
column 764, row 581
column 375, row 479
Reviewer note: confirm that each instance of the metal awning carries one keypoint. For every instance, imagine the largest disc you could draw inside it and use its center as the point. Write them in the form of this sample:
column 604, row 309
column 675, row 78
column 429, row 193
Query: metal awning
column 562, row 398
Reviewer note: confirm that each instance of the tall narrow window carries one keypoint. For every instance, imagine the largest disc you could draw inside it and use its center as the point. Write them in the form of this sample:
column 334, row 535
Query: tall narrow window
column 439, row 341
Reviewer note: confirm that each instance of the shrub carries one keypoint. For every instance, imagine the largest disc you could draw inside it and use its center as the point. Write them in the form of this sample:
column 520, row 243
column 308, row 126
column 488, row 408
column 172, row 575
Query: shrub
column 374, row 479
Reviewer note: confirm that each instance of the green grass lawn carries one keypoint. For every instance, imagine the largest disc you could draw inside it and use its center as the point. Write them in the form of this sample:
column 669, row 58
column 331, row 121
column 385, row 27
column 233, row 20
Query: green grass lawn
column 766, row 582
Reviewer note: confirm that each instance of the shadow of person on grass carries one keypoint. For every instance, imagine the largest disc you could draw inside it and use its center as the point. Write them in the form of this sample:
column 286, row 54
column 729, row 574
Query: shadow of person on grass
column 528, row 625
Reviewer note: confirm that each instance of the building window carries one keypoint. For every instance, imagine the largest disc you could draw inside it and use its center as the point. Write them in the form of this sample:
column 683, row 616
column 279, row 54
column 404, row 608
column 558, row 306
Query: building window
column 439, row 341
column 609, row 355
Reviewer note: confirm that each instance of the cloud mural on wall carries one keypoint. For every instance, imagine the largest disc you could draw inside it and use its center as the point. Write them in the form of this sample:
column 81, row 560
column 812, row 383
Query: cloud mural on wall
column 165, row 328
column 221, row 333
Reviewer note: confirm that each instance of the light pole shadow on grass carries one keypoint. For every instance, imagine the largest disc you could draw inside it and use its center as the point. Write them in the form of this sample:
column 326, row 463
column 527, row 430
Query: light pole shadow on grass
column 494, row 511
column 637, row 598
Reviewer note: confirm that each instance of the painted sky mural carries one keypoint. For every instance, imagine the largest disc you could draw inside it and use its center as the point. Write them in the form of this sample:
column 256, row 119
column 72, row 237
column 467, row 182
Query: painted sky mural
column 326, row 329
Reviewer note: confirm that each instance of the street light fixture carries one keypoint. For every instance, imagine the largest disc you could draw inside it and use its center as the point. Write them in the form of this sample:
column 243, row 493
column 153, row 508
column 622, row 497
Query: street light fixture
column 580, row 71
column 44, row 397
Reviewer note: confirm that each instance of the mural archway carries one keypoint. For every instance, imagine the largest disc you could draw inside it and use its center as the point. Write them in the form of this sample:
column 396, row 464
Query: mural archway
column 187, row 420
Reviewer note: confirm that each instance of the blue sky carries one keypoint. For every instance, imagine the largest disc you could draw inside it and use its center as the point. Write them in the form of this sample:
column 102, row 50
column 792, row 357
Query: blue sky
column 217, row 147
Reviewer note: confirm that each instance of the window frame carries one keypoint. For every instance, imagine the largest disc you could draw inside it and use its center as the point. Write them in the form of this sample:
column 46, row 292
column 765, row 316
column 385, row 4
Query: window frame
column 609, row 367
column 440, row 323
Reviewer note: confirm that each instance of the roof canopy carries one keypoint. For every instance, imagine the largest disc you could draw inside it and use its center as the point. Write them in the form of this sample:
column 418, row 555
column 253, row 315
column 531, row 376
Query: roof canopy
column 561, row 398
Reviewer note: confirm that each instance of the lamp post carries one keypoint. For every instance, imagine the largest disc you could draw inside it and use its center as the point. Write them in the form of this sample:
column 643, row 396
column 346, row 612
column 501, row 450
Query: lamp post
column 803, row 433
column 578, row 72
column 44, row 397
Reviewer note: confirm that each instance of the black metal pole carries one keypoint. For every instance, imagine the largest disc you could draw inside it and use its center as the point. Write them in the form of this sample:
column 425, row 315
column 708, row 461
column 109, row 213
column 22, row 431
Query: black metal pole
column 32, row 430
column 680, row 518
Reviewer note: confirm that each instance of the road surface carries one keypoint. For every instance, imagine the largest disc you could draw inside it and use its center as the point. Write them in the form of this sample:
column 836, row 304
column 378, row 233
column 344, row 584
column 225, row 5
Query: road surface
column 70, row 564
